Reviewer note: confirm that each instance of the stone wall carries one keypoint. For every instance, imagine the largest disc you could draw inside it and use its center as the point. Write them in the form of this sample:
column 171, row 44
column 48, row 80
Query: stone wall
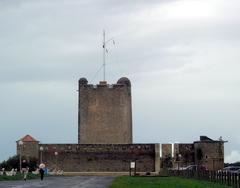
column 183, row 155
column 166, row 150
column 28, row 149
column 105, row 113
column 101, row 157
column 212, row 154
column 186, row 154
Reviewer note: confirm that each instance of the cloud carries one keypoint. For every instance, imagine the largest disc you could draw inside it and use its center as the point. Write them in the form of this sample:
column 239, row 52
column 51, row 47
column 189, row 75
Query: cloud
column 182, row 57
column 233, row 157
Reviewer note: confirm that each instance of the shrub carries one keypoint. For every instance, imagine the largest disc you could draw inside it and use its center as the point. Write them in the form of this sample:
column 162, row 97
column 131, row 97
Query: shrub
column 13, row 162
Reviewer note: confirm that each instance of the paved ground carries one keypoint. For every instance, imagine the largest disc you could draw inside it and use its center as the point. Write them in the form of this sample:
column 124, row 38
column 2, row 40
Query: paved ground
column 61, row 182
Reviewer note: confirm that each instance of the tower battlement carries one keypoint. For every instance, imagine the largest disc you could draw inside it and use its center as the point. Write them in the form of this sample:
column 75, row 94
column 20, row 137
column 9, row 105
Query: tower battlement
column 105, row 112
column 122, row 82
column 109, row 86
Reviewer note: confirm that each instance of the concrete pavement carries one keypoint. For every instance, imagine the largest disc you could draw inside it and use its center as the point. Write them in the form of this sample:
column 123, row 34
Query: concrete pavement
column 61, row 182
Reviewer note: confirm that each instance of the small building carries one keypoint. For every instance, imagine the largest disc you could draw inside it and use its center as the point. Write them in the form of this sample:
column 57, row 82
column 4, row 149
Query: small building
column 209, row 152
column 28, row 146
column 206, row 152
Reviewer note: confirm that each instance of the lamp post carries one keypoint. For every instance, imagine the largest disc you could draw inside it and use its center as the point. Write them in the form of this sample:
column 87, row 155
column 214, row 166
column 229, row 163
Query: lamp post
column 56, row 154
column 20, row 143
column 179, row 160
column 41, row 150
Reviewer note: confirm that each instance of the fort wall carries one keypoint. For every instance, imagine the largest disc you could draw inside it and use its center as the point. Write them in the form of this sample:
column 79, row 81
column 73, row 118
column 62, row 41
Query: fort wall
column 212, row 154
column 101, row 157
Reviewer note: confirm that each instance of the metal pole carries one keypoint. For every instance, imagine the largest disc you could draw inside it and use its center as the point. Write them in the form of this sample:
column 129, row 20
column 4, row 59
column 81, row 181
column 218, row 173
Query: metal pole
column 20, row 144
column 104, row 54
column 56, row 154
column 20, row 159
column 41, row 151
column 135, row 169
column 41, row 157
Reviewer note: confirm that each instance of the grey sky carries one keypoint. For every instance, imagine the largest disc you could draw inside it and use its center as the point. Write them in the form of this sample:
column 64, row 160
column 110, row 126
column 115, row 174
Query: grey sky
column 182, row 57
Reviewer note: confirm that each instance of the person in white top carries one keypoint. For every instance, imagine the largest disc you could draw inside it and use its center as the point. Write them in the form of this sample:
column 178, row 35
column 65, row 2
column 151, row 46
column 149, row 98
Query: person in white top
column 41, row 170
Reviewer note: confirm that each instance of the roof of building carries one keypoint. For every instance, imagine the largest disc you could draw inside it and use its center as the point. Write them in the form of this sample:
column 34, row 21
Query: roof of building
column 205, row 139
column 28, row 138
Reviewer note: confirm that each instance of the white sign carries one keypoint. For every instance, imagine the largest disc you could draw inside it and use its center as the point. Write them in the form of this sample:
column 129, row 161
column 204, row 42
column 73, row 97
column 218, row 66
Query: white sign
column 132, row 165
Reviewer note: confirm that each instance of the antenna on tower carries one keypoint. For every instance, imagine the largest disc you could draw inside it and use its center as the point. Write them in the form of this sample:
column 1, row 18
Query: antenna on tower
column 105, row 50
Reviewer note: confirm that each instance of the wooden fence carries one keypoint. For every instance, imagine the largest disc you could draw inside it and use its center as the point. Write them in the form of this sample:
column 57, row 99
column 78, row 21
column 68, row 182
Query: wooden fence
column 225, row 178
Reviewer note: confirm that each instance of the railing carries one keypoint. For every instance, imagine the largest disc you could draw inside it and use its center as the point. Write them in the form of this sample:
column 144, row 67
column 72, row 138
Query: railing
column 225, row 178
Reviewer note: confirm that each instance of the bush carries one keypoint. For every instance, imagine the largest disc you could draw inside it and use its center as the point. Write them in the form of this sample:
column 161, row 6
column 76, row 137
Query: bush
column 18, row 176
column 13, row 162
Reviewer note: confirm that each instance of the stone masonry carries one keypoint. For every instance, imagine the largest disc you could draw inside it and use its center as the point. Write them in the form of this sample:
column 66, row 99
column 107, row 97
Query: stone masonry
column 101, row 157
column 206, row 151
column 105, row 112
column 30, row 147
column 212, row 152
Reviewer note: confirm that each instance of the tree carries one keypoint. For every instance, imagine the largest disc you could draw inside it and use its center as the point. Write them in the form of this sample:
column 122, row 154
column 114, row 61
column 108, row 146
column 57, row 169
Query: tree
column 13, row 162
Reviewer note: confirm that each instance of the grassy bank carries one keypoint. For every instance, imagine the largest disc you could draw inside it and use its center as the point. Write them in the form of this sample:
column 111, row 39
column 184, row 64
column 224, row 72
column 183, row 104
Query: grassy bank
column 18, row 176
column 161, row 182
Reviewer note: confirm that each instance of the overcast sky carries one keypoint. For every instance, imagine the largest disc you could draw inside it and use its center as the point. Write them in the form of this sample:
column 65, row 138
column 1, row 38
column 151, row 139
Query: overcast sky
column 182, row 57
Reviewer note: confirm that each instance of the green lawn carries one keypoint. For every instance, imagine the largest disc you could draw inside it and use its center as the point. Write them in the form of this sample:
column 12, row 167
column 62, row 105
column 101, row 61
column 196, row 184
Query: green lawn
column 18, row 177
column 161, row 182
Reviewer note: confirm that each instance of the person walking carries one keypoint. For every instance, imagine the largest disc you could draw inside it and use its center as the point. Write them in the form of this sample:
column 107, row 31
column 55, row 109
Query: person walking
column 25, row 169
column 41, row 170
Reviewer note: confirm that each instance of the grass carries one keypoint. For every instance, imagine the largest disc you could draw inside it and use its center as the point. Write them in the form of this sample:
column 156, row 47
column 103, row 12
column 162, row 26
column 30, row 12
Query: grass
column 161, row 182
column 18, row 176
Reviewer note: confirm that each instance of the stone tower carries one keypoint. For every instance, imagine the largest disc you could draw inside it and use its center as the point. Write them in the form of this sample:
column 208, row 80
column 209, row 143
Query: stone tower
column 210, row 152
column 105, row 112
column 29, row 147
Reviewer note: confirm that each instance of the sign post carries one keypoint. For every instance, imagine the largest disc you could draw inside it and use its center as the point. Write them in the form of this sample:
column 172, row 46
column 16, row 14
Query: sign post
column 132, row 167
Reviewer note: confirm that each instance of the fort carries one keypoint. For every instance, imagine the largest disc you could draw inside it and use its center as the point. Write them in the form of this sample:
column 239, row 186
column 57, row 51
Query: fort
column 105, row 138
